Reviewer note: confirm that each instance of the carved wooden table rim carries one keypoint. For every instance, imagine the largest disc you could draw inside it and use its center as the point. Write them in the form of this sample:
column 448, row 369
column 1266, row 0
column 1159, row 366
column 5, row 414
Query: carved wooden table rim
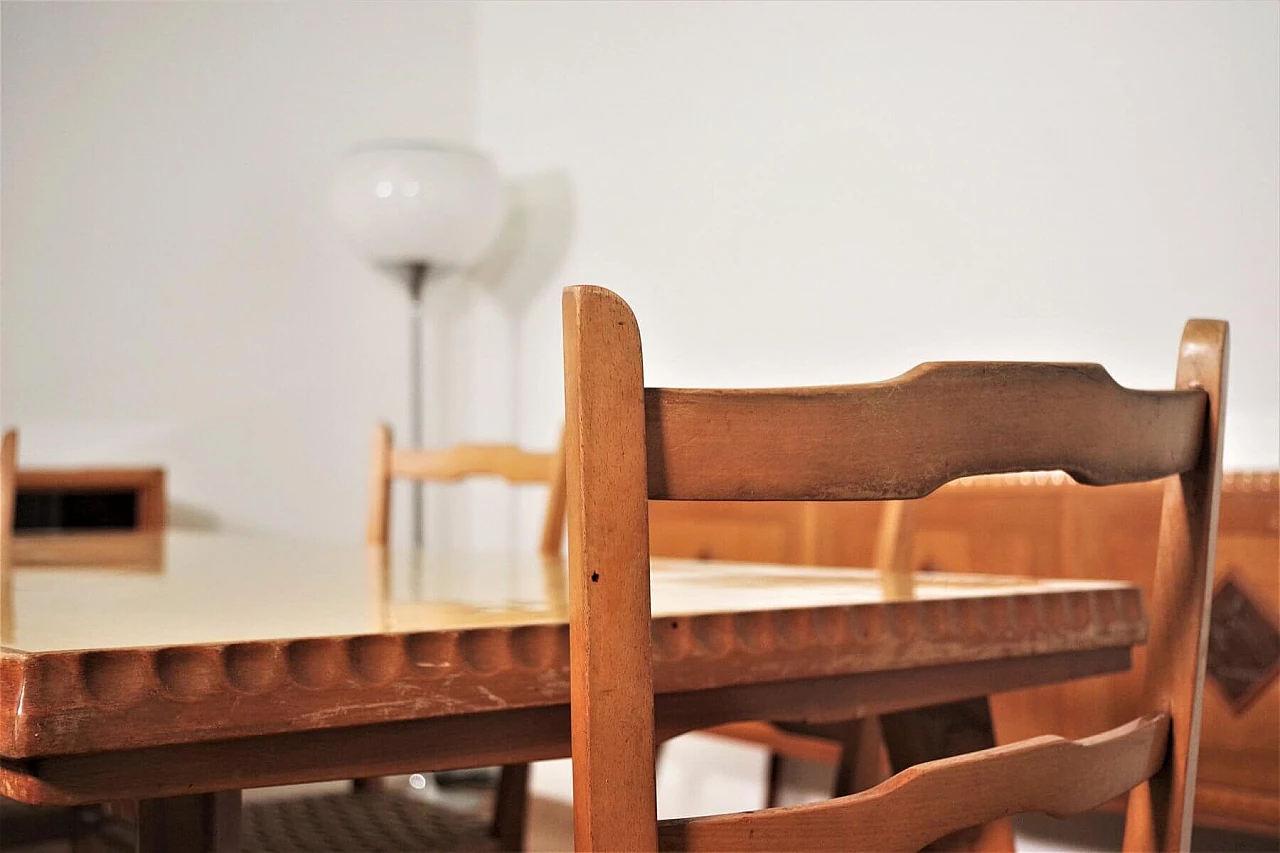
column 240, row 663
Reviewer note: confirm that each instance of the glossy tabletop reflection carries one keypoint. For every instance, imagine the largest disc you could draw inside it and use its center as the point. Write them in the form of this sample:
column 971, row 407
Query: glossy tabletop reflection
column 212, row 588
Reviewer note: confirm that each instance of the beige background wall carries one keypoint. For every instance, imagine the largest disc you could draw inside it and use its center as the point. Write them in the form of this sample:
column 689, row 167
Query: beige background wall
column 792, row 192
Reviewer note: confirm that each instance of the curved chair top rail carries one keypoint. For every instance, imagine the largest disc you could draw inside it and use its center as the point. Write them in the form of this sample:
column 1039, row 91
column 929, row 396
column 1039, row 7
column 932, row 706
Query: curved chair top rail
column 907, row 436
column 475, row 460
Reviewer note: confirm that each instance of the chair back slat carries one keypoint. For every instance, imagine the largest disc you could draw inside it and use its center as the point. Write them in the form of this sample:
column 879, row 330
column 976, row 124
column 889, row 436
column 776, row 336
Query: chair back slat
column 474, row 460
column 930, row 800
column 906, row 437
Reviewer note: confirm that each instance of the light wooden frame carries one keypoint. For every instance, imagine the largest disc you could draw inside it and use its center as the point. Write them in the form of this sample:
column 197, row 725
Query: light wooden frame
column 510, row 463
column 626, row 444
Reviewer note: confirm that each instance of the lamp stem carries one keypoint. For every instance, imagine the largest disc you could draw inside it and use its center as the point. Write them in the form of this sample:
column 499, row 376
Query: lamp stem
column 416, row 278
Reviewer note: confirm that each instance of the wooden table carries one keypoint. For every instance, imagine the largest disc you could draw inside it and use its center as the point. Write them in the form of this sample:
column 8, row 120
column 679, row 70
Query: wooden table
column 227, row 662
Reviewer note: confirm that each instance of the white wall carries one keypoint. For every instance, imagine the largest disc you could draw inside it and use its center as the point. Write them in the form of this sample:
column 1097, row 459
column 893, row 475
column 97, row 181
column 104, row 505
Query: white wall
column 793, row 193
column 174, row 289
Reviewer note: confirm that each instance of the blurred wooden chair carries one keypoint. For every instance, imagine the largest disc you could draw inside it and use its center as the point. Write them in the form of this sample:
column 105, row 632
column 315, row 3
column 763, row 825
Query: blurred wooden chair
column 894, row 440
column 461, row 462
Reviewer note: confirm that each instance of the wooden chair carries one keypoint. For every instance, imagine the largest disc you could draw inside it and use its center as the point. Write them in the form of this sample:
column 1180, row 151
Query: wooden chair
column 516, row 467
column 893, row 440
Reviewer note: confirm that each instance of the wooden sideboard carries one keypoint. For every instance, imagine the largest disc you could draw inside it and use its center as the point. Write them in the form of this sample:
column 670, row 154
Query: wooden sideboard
column 72, row 515
column 1045, row 525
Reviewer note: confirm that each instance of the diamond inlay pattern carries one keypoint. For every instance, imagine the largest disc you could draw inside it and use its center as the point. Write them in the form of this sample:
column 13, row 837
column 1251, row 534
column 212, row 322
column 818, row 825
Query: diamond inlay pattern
column 1244, row 646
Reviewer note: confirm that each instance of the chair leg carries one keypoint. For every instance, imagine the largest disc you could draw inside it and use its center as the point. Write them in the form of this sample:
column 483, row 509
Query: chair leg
column 776, row 762
column 940, row 731
column 198, row 823
column 510, row 806
column 859, row 767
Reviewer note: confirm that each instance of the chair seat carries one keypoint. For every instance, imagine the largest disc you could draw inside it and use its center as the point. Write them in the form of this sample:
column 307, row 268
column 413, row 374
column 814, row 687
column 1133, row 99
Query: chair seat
column 366, row 821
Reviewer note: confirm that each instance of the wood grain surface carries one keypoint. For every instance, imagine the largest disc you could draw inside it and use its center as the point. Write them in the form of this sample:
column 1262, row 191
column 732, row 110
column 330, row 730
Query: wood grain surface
column 1046, row 774
column 614, row 798
column 907, row 436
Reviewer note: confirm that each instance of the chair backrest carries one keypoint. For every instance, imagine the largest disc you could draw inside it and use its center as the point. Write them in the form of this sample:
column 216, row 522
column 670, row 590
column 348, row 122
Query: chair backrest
column 892, row 440
column 456, row 463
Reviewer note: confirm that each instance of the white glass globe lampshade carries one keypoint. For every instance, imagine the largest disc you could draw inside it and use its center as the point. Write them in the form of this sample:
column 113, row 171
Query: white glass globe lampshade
column 419, row 202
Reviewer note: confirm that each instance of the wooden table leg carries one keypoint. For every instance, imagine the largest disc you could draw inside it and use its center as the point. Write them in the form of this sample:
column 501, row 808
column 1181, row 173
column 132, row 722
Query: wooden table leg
column 199, row 823
column 940, row 731
column 510, row 806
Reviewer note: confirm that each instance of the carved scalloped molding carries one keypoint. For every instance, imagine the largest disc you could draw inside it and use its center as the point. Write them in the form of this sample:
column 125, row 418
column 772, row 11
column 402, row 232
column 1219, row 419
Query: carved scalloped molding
column 66, row 702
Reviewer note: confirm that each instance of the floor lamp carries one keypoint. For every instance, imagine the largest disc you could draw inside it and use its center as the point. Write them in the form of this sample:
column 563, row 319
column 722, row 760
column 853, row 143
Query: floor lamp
column 415, row 208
